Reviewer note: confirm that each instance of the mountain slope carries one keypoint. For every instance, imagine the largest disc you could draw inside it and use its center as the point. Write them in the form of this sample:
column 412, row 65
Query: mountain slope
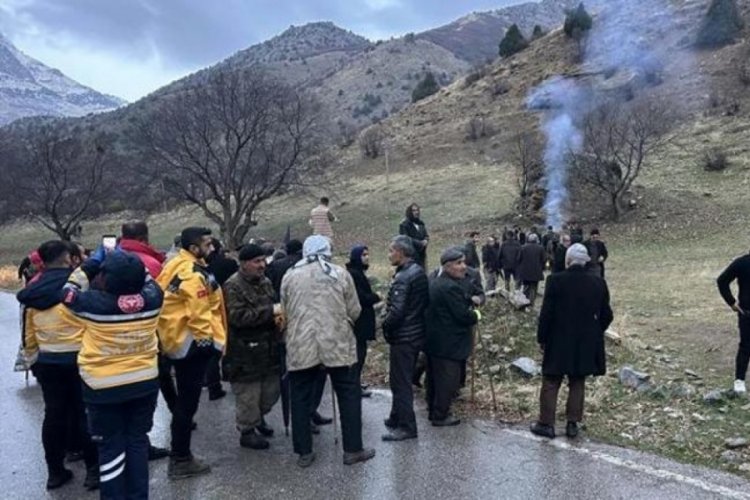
column 29, row 88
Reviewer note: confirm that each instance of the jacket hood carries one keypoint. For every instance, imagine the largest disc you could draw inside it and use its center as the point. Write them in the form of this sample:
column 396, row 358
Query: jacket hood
column 45, row 292
column 124, row 274
column 136, row 246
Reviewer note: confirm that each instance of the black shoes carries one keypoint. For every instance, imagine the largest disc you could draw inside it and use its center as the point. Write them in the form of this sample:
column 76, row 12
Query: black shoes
column 91, row 482
column 543, row 430
column 216, row 393
column 358, row 456
column 314, row 429
column 156, row 453
column 571, row 430
column 399, row 435
column 305, row 461
column 318, row 419
column 185, row 468
column 57, row 479
column 446, row 422
column 390, row 424
column 253, row 440
column 264, row 429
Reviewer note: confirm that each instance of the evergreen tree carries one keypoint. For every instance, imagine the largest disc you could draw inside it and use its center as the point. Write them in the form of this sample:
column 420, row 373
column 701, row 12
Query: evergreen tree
column 425, row 88
column 512, row 42
column 538, row 32
column 721, row 24
column 577, row 22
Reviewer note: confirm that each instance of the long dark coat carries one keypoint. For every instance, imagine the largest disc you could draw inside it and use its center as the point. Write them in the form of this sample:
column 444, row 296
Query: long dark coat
column 531, row 260
column 575, row 314
column 449, row 320
column 509, row 251
column 364, row 327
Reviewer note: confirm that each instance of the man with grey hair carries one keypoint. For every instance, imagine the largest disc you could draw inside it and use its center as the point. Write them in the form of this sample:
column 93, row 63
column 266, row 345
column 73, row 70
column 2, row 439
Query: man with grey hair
column 404, row 330
column 321, row 305
column 531, row 261
column 558, row 261
column 575, row 314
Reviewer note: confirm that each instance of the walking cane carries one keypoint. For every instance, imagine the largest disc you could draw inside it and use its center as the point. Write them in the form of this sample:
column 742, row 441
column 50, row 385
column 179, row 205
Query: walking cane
column 473, row 362
column 489, row 373
column 335, row 418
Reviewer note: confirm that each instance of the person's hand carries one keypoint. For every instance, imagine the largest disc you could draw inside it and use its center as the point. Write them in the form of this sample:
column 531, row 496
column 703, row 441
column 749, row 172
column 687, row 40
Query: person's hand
column 601, row 259
column 476, row 300
column 736, row 308
column 280, row 321
column 278, row 309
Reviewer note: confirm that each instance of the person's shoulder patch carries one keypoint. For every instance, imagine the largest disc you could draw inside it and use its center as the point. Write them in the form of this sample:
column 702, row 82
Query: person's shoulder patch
column 130, row 303
column 70, row 297
column 202, row 293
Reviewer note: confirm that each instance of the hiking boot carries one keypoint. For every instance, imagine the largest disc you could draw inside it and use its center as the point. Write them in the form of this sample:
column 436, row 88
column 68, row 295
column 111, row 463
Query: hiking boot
column 389, row 423
column 184, row 468
column 156, row 453
column 253, row 440
column 358, row 456
column 739, row 387
column 399, row 435
column 448, row 421
column 264, row 429
column 58, row 478
column 305, row 461
column 216, row 393
column 318, row 419
column 91, row 482
column 571, row 430
column 74, row 456
column 543, row 430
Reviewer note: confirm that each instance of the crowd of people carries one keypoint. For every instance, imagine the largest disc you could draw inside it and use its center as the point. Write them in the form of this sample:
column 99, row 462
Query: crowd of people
column 105, row 332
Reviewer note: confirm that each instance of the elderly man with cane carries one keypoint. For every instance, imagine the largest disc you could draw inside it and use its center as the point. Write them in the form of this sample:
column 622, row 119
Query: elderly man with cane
column 321, row 305
column 575, row 314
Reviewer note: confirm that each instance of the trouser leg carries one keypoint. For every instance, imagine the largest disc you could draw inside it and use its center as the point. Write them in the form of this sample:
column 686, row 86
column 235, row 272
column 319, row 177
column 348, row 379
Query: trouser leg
column 361, row 354
column 446, row 376
column 403, row 358
column 140, row 415
column 420, row 368
column 213, row 372
column 345, row 382
column 90, row 454
column 107, row 424
column 319, row 389
column 533, row 287
column 57, row 409
column 302, row 384
column 548, row 399
column 270, row 392
column 189, row 373
column 166, row 383
column 743, row 350
column 247, row 403
column 576, row 392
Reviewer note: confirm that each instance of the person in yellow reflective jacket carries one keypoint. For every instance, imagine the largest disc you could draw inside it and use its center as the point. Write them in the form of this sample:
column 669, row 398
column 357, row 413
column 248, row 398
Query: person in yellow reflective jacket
column 192, row 326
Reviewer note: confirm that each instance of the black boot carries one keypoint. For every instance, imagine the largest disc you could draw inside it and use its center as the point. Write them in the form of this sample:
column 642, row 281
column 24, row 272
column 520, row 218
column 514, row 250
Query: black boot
column 91, row 482
column 58, row 478
column 543, row 430
column 571, row 430
column 156, row 453
column 253, row 440
column 264, row 429
column 318, row 419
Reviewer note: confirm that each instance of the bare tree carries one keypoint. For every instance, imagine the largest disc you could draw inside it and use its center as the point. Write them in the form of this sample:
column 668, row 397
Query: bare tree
column 59, row 177
column 372, row 142
column 527, row 160
column 232, row 143
column 618, row 141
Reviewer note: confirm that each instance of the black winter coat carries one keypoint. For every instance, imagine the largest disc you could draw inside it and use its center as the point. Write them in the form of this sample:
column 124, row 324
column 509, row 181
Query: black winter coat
column 276, row 270
column 575, row 314
column 596, row 249
column 738, row 270
column 364, row 327
column 449, row 320
column 407, row 302
column 491, row 257
column 222, row 267
column 472, row 258
column 417, row 231
column 531, row 260
column 558, row 261
column 509, row 251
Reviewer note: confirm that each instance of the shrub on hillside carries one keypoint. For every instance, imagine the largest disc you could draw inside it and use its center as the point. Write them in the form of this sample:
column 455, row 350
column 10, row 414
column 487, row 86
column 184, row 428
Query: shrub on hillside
column 715, row 160
column 425, row 88
column 513, row 42
column 577, row 22
column 537, row 33
column 476, row 74
column 500, row 87
column 721, row 25
column 371, row 142
column 477, row 128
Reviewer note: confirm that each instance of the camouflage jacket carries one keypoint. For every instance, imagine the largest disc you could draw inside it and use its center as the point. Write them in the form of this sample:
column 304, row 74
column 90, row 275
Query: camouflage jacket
column 321, row 310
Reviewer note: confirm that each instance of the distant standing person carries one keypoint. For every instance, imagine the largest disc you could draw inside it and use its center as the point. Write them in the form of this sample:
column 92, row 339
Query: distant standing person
column 531, row 261
column 575, row 314
column 321, row 218
column 472, row 257
column 413, row 227
column 558, row 260
column 739, row 270
column 597, row 251
column 491, row 262
column 509, row 251
column 404, row 329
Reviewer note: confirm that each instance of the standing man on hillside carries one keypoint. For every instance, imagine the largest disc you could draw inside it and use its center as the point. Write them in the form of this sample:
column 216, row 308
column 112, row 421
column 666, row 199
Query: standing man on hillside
column 404, row 329
column 739, row 270
column 413, row 227
column 509, row 251
column 491, row 262
column 192, row 326
column 321, row 218
column 472, row 257
column 558, row 261
column 598, row 253
column 531, row 261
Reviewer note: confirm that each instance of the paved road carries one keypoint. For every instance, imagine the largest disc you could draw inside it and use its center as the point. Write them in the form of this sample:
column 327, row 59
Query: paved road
column 474, row 460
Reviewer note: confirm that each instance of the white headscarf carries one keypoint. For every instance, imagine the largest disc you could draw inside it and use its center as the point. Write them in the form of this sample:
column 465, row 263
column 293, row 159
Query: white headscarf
column 317, row 248
column 577, row 255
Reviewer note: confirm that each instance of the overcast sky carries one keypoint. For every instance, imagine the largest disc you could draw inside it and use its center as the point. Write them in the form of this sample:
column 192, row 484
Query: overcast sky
column 129, row 48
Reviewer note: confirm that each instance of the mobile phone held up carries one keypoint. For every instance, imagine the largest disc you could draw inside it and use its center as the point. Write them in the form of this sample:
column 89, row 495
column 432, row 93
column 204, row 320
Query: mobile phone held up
column 109, row 242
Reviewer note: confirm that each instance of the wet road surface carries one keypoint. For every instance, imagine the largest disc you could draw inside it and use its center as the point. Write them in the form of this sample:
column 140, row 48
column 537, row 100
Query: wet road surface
column 473, row 460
